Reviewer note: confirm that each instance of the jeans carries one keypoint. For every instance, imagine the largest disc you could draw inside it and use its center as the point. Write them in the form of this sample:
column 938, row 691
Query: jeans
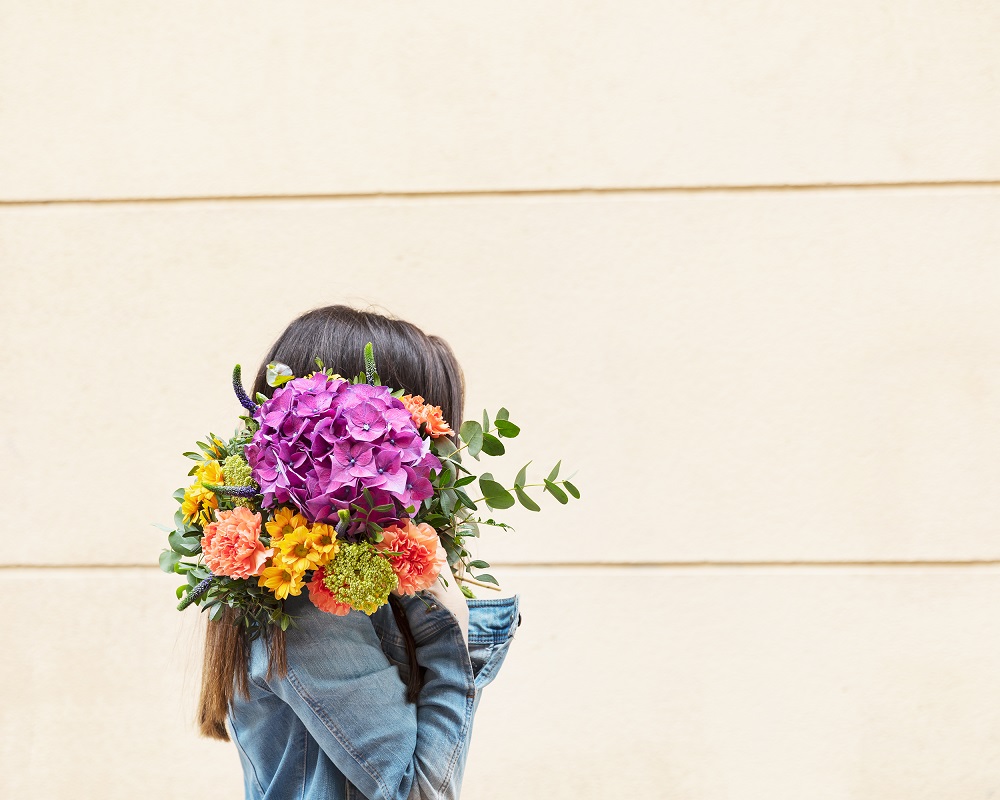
column 338, row 725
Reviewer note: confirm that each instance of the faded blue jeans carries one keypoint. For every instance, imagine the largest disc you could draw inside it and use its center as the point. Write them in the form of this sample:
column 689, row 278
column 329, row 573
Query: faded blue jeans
column 338, row 725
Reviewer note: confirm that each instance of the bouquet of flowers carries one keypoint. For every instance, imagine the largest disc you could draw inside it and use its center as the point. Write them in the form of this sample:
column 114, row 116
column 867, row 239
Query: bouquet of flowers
column 341, row 486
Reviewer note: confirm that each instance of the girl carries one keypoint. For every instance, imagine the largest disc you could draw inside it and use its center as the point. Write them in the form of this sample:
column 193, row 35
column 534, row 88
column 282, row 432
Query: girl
column 356, row 706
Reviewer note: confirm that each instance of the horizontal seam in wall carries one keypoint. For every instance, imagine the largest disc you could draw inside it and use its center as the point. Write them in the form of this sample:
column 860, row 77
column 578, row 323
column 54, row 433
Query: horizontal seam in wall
column 487, row 193
column 622, row 565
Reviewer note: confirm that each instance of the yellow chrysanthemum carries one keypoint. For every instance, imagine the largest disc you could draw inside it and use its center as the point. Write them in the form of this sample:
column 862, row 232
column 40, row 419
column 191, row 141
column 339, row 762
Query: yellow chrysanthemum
column 281, row 580
column 210, row 472
column 295, row 550
column 285, row 521
column 199, row 502
column 323, row 539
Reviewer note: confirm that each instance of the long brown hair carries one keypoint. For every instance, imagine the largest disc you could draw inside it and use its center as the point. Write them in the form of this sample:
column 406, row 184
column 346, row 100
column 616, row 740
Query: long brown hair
column 407, row 358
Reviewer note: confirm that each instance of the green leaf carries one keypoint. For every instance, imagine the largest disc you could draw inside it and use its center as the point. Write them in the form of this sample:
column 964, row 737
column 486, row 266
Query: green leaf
column 399, row 393
column 443, row 446
column 486, row 420
column 508, row 429
column 466, row 591
column 522, row 476
column 472, row 433
column 503, row 414
column 555, row 471
column 465, row 481
column 557, row 493
column 487, row 578
column 478, row 564
column 448, row 500
column 492, row 446
column 168, row 559
column 526, row 501
column 193, row 456
column 185, row 545
column 216, row 612
column 181, row 590
column 572, row 489
column 466, row 500
column 495, row 495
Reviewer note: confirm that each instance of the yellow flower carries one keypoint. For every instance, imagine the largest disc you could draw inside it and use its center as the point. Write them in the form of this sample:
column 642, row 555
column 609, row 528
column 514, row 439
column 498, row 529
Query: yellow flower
column 295, row 550
column 323, row 539
column 285, row 521
column 281, row 580
column 210, row 472
column 199, row 502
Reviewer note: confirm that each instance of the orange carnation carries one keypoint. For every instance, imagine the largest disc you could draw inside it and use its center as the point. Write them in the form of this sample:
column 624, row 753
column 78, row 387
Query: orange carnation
column 424, row 414
column 232, row 545
column 421, row 555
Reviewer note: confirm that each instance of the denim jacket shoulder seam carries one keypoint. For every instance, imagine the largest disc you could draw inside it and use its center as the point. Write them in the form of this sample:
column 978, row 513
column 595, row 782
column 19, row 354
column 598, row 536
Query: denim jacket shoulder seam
column 334, row 730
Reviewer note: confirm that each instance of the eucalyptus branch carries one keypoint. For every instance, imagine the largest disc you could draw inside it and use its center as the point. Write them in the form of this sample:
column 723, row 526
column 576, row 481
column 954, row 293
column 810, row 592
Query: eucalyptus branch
column 460, row 449
column 511, row 489
column 478, row 583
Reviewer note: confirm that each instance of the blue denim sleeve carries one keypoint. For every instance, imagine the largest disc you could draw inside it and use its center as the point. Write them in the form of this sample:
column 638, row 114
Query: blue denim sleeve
column 351, row 698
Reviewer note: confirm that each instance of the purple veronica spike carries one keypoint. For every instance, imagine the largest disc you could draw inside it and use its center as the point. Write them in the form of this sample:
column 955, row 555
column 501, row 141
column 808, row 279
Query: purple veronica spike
column 195, row 593
column 241, row 394
column 232, row 491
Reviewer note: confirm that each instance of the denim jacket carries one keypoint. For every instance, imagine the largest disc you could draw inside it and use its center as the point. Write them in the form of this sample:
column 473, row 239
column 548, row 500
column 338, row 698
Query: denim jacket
column 338, row 725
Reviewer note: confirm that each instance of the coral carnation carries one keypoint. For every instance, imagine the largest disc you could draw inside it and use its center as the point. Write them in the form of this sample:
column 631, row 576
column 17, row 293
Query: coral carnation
column 427, row 415
column 232, row 545
column 421, row 555
column 323, row 598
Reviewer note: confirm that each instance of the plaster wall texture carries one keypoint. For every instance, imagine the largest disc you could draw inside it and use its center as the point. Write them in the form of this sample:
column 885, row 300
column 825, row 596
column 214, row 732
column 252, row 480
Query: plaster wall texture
column 735, row 264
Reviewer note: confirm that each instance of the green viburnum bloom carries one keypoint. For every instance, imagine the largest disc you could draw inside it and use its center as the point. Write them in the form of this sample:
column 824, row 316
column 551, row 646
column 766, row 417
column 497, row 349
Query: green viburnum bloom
column 236, row 471
column 360, row 576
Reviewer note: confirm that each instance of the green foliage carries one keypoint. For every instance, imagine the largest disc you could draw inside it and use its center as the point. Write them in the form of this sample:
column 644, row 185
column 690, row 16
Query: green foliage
column 472, row 434
column 556, row 492
column 492, row 446
column 507, row 429
column 526, row 501
column 168, row 560
column 494, row 494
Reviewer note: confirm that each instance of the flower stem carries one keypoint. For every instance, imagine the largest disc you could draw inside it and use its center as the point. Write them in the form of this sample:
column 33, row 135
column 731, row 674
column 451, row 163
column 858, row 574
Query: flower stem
column 511, row 489
column 460, row 449
column 478, row 583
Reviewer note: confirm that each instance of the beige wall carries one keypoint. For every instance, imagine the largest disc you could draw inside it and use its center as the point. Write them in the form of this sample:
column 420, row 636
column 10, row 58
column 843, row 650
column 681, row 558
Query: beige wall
column 737, row 264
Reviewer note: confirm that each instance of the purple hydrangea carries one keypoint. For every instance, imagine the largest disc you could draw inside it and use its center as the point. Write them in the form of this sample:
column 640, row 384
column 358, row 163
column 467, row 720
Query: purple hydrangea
column 322, row 441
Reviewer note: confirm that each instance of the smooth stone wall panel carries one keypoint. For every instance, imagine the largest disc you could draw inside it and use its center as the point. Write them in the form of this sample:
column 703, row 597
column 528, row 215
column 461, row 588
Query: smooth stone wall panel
column 165, row 99
column 694, row 684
